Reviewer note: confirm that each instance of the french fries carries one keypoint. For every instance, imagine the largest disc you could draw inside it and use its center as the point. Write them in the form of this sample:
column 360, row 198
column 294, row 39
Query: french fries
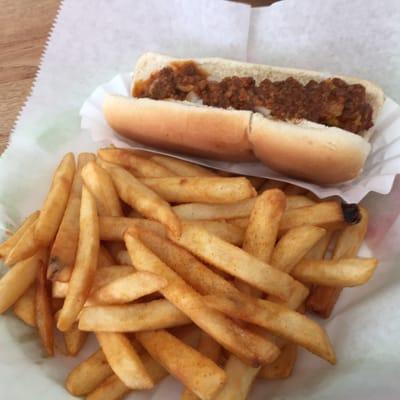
column 157, row 314
column 19, row 278
column 44, row 312
column 197, row 372
column 246, row 345
column 180, row 167
column 346, row 272
column 283, row 366
column 100, row 184
column 279, row 320
column 85, row 263
column 56, row 201
column 24, row 308
column 201, row 189
column 124, row 263
column 9, row 244
column 140, row 166
column 237, row 262
column 63, row 251
column 129, row 288
column 143, row 199
column 124, row 360
column 88, row 375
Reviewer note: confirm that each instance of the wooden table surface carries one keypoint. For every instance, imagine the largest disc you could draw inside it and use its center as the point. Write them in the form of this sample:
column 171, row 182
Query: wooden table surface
column 24, row 27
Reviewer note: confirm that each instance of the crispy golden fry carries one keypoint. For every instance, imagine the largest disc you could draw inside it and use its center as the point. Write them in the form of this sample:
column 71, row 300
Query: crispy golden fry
column 201, row 189
column 105, row 258
column 298, row 201
column 283, row 366
column 323, row 299
column 157, row 314
column 262, row 230
column 114, row 389
column 237, row 262
column 346, row 272
column 26, row 246
column 59, row 289
column 100, row 184
column 24, row 308
column 88, row 375
column 124, row 360
column 85, row 264
column 44, row 312
column 188, row 267
column 19, row 278
column 200, row 211
column 246, row 345
column 63, row 252
column 113, row 228
column 143, row 199
column 328, row 214
column 279, row 320
column 294, row 245
column 129, row 288
column 271, row 184
column 209, row 348
column 140, row 166
column 74, row 340
column 8, row 244
column 197, row 372
column 318, row 251
column 56, row 201
column 180, row 167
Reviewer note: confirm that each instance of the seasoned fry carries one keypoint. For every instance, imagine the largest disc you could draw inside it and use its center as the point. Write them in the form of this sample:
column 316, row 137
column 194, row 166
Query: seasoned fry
column 180, row 167
column 197, row 372
column 8, row 244
column 140, row 166
column 157, row 314
column 124, row 360
column 283, row 366
column 294, row 245
column 88, row 375
column 44, row 312
column 129, row 288
column 24, row 308
column 74, row 340
column 279, row 320
column 346, row 272
column 328, row 214
column 323, row 299
column 143, row 199
column 113, row 228
column 237, row 262
column 56, row 201
column 246, row 345
column 209, row 348
column 26, row 246
column 113, row 388
column 200, row 211
column 63, row 252
column 100, row 184
column 18, row 279
column 201, row 189
column 262, row 230
column 85, row 264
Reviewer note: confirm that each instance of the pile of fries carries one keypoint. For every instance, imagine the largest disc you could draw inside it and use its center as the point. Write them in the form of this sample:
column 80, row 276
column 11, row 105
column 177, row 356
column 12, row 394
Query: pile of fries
column 180, row 270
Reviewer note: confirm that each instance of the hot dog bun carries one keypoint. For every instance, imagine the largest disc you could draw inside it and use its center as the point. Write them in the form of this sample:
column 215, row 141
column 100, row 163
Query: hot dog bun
column 301, row 149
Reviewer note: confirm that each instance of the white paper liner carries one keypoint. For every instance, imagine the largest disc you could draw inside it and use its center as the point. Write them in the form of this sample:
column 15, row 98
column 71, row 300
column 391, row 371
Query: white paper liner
column 382, row 165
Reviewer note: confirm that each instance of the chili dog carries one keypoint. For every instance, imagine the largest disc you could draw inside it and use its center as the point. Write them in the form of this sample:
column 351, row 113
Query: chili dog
column 301, row 123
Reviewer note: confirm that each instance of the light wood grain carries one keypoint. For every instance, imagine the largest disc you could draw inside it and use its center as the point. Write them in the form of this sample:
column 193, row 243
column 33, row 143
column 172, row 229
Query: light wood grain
column 24, row 27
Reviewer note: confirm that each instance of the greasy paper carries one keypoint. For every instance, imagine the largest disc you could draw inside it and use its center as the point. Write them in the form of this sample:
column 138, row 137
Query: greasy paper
column 95, row 40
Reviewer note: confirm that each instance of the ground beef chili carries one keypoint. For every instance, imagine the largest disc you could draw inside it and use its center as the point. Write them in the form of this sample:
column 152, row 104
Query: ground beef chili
column 331, row 102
